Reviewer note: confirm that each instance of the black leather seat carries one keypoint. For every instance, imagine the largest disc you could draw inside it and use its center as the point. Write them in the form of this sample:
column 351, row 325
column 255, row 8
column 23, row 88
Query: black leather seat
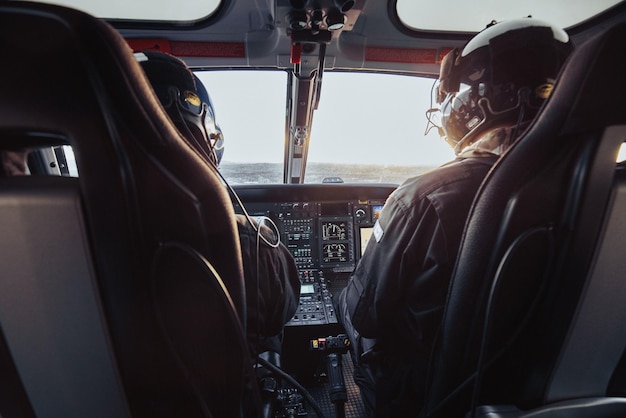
column 122, row 289
column 535, row 319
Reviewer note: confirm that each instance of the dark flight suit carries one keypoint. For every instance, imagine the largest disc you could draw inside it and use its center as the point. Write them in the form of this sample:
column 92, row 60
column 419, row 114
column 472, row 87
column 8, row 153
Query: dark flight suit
column 394, row 301
column 272, row 287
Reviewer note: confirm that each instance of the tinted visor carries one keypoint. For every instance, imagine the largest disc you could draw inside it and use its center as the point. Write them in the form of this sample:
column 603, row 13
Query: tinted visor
column 456, row 113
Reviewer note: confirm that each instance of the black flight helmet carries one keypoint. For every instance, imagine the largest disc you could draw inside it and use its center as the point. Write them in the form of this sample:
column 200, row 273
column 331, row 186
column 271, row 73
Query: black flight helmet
column 186, row 101
column 500, row 78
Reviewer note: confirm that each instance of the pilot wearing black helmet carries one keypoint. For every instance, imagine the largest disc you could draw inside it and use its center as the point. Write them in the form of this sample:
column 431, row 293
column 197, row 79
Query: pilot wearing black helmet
column 488, row 92
column 271, row 277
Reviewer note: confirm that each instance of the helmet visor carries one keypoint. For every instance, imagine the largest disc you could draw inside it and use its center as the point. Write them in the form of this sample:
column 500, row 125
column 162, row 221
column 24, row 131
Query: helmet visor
column 458, row 114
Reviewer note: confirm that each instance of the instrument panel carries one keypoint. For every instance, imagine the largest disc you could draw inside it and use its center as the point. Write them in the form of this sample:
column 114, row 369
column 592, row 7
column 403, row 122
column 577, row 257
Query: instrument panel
column 326, row 228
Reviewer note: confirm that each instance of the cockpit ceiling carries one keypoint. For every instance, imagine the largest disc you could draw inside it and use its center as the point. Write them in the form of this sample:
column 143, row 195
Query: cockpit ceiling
column 423, row 15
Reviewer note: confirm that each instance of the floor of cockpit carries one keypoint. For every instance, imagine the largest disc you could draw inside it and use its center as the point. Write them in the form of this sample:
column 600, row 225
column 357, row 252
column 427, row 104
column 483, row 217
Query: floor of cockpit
column 354, row 405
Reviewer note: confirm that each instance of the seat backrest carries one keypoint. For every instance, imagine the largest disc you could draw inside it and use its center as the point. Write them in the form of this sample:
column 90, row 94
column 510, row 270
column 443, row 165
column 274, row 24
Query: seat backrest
column 530, row 244
column 160, row 235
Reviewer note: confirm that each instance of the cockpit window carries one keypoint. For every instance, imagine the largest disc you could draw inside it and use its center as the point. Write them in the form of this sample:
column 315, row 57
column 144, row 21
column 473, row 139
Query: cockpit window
column 367, row 128
column 472, row 16
column 155, row 10
column 621, row 156
column 370, row 128
column 250, row 110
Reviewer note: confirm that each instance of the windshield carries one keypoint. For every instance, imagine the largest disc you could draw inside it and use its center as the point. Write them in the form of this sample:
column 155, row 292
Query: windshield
column 367, row 128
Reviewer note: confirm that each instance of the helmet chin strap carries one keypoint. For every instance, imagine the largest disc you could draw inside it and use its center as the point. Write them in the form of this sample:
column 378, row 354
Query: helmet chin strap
column 523, row 95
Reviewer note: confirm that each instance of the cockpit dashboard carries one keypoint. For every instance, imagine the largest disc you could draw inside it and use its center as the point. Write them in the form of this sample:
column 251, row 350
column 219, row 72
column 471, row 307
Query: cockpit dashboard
column 326, row 228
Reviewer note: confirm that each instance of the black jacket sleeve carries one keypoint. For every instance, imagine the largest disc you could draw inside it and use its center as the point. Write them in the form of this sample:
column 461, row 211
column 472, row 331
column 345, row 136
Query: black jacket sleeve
column 272, row 281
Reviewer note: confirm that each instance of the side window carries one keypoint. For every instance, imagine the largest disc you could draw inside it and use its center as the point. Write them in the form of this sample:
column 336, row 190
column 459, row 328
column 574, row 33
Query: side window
column 621, row 156
column 51, row 161
column 68, row 160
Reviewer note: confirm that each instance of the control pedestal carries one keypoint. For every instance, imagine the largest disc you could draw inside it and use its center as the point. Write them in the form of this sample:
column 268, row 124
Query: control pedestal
column 315, row 306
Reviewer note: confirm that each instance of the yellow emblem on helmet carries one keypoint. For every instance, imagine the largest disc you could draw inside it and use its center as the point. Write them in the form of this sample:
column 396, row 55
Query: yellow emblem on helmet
column 192, row 98
column 543, row 91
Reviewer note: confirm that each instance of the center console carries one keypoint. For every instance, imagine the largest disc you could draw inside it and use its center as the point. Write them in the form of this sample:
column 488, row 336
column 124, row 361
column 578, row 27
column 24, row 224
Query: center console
column 326, row 228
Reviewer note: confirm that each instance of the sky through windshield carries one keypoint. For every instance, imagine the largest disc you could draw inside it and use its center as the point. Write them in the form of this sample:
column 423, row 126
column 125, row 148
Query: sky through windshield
column 362, row 118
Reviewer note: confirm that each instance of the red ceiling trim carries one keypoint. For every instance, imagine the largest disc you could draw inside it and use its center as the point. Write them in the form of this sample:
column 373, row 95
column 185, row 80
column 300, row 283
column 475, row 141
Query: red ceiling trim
column 405, row 55
column 191, row 49
column 138, row 45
